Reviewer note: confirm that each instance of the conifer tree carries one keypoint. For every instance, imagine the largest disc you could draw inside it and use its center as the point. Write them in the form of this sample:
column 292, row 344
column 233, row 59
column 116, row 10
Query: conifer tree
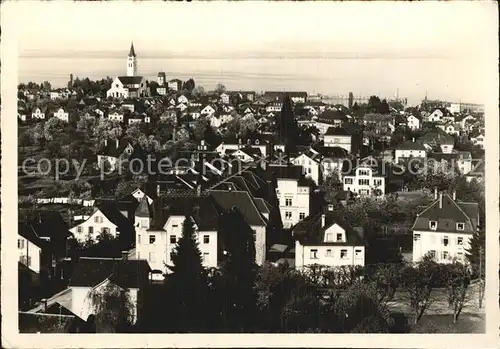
column 475, row 253
column 187, row 285
column 287, row 125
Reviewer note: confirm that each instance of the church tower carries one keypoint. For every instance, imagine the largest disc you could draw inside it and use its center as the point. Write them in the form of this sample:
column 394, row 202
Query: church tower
column 131, row 62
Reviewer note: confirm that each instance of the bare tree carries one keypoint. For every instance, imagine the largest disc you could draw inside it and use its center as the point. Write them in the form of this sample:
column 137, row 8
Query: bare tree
column 458, row 279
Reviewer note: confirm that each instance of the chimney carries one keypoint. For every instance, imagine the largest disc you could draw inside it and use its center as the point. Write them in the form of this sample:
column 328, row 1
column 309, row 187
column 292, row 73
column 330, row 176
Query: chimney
column 322, row 220
column 435, row 193
column 106, row 142
column 440, row 200
column 454, row 195
column 124, row 255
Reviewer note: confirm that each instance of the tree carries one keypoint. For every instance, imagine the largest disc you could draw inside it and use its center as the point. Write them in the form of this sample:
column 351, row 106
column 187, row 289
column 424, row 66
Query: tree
column 247, row 124
column 46, row 86
column 457, row 278
column 220, row 88
column 107, row 129
column 86, row 126
column 239, row 272
column 189, row 85
column 53, row 129
column 419, row 282
column 187, row 286
column 198, row 91
column 332, row 186
column 113, row 309
column 287, row 125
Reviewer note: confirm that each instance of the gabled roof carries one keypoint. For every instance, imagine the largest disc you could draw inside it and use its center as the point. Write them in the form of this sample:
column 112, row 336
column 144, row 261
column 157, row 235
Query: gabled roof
column 89, row 272
column 337, row 131
column 243, row 202
column 130, row 80
column 310, row 232
column 50, row 224
column 143, row 208
column 410, row 145
column 447, row 212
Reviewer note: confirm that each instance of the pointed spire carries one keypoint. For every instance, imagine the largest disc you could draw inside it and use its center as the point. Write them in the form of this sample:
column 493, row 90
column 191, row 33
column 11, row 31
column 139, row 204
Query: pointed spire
column 132, row 51
column 143, row 208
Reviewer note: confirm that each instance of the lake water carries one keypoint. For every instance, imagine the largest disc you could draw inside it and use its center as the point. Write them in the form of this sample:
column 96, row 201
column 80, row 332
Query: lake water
column 442, row 78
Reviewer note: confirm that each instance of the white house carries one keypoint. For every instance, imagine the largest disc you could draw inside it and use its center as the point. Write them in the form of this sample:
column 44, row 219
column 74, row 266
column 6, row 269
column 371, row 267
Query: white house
column 175, row 85
column 183, row 99
column 116, row 116
column 338, row 137
column 413, row 122
column 365, row 180
column 293, row 195
column 444, row 229
column 478, row 140
column 155, row 242
column 409, row 149
column 224, row 97
column 61, row 114
column 38, row 114
column 55, row 95
column 208, row 110
column 98, row 223
column 311, row 164
column 321, row 240
column 29, row 248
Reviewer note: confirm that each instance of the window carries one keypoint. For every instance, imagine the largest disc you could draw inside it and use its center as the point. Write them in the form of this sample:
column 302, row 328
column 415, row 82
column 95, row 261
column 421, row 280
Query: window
column 152, row 239
column 433, row 225
column 175, row 226
column 339, row 237
column 79, row 229
column 343, row 254
column 288, row 215
column 98, row 219
column 363, row 181
column 91, row 230
column 460, row 226
column 302, row 215
column 105, row 231
column 314, row 254
column 460, row 241
column 377, row 182
column 348, row 180
column 432, row 254
column 363, row 173
column 329, row 237
column 206, row 239
column 328, row 253
column 152, row 257
column 205, row 257
column 20, row 243
column 445, row 255
column 358, row 253
column 288, row 202
column 416, row 237
column 173, row 239
column 445, row 240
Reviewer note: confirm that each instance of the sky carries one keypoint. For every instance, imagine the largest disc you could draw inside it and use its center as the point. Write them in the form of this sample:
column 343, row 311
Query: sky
column 459, row 33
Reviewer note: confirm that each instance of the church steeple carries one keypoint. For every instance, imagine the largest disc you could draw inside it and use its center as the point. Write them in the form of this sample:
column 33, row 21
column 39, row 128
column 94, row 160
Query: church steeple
column 132, row 61
column 132, row 51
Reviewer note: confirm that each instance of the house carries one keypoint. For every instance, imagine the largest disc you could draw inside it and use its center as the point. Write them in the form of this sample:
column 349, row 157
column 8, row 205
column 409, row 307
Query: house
column 413, row 122
column 38, row 114
column 478, row 140
column 183, row 99
column 175, row 85
column 456, row 161
column 245, row 154
column 208, row 110
column 127, row 87
column 106, row 219
column 332, row 159
column 54, row 95
column 224, row 97
column 449, row 127
column 325, row 240
column 293, row 193
column 444, row 229
column 328, row 119
column 310, row 161
column 159, row 226
column 61, row 114
column 29, row 247
column 409, row 149
column 113, row 152
column 365, row 180
column 116, row 116
column 338, row 137
column 92, row 275
column 438, row 139
column 162, row 78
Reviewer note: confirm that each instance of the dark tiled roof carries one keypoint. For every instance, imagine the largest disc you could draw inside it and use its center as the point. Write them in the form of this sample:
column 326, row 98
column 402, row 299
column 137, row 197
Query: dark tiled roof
column 333, row 152
column 26, row 230
column 243, row 202
column 446, row 216
column 310, row 232
column 436, row 137
column 337, row 131
column 50, row 224
column 130, row 80
column 89, row 272
column 143, row 208
column 410, row 145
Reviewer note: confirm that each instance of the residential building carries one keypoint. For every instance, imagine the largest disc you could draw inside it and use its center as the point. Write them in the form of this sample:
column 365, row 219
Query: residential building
column 409, row 149
column 162, row 78
column 38, row 114
column 338, row 137
column 61, row 114
column 444, row 229
column 113, row 152
column 325, row 240
column 296, row 97
column 414, row 122
column 175, row 85
column 310, row 161
column 365, row 180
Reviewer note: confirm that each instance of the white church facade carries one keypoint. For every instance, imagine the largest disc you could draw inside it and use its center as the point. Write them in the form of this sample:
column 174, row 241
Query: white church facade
column 131, row 85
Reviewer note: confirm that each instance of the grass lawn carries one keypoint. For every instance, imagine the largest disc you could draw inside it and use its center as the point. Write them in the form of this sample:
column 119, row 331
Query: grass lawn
column 466, row 323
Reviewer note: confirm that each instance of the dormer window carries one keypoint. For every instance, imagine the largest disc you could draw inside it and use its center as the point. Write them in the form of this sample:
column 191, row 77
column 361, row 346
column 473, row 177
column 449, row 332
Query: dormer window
column 329, row 237
column 433, row 225
column 460, row 226
column 339, row 237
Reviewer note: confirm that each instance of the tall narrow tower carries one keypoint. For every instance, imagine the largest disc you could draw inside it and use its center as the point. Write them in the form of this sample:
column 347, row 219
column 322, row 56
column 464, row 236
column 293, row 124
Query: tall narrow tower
column 131, row 62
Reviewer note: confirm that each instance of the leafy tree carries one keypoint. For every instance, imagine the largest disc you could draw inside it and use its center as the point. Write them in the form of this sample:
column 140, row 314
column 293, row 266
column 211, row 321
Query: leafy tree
column 113, row 309
column 301, row 311
column 187, row 286
column 86, row 126
column 53, row 129
column 24, row 140
column 198, row 91
column 134, row 132
column 419, row 282
column 457, row 278
column 189, row 85
column 332, row 186
column 247, row 124
column 46, row 86
column 387, row 278
column 220, row 88
column 107, row 129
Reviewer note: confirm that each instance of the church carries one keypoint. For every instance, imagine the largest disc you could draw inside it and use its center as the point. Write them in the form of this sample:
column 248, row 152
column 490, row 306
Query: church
column 131, row 85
